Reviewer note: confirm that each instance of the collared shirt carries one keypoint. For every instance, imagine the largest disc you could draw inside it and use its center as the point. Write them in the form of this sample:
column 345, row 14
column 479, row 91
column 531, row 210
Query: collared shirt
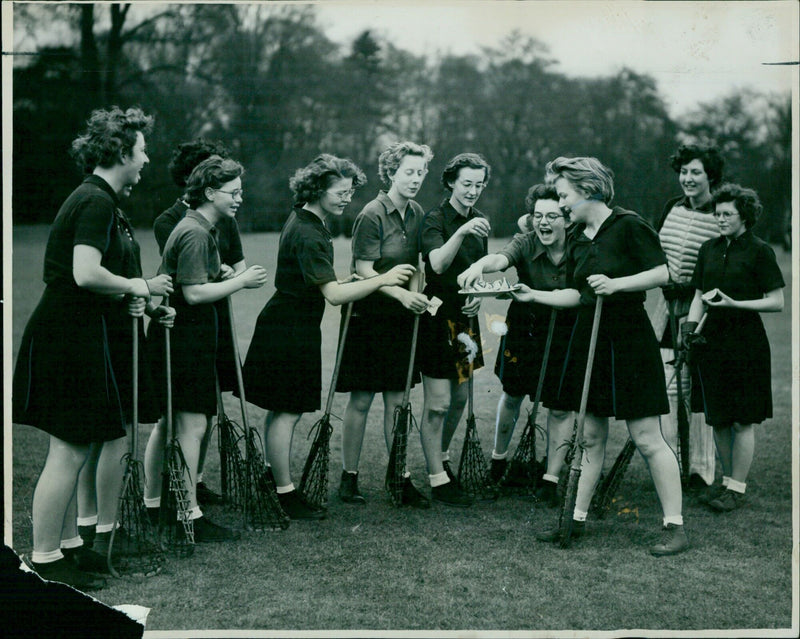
column 305, row 256
column 229, row 243
column 439, row 225
column 90, row 216
column 743, row 269
column 381, row 234
column 625, row 244
column 190, row 254
column 534, row 267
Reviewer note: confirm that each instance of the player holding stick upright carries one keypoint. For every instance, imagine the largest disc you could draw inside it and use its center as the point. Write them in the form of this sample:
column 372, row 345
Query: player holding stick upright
column 614, row 253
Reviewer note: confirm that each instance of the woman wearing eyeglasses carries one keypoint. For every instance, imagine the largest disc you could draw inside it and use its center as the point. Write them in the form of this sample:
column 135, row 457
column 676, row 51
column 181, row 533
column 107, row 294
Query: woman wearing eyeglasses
column 736, row 277
column 539, row 257
column 454, row 235
column 191, row 257
column 283, row 368
column 378, row 345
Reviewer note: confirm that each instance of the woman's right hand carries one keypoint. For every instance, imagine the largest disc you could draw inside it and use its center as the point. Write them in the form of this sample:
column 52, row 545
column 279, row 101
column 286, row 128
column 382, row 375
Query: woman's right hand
column 397, row 275
column 414, row 302
column 254, row 277
column 160, row 285
column 524, row 293
column 470, row 276
column 478, row 226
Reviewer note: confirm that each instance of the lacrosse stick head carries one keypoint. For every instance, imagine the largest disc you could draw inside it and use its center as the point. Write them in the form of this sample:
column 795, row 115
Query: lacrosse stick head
column 314, row 481
column 396, row 468
column 261, row 509
column 473, row 471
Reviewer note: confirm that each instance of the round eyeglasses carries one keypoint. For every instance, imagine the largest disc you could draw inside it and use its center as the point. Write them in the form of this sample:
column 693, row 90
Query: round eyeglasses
column 234, row 194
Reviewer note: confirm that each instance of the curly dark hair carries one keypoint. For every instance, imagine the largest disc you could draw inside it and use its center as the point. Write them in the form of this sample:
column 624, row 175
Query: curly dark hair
column 392, row 156
column 747, row 203
column 212, row 172
column 310, row 182
column 189, row 154
column 539, row 192
column 713, row 163
column 110, row 134
column 461, row 161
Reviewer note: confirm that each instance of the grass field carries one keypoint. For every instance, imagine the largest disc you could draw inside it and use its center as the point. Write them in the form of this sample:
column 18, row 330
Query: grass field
column 378, row 568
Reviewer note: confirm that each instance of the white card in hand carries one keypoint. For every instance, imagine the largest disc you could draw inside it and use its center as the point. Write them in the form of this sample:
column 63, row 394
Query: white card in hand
column 433, row 305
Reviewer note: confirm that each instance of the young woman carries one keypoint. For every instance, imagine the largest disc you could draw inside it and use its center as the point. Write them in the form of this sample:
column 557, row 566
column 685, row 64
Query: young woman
column 214, row 191
column 282, row 372
column 378, row 344
column 540, row 259
column 616, row 254
column 686, row 223
column 229, row 244
column 454, row 236
column 740, row 277
column 73, row 373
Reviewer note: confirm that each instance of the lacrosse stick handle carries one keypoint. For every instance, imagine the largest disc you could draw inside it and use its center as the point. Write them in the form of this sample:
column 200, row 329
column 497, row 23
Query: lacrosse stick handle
column 168, row 367
column 470, row 379
column 598, row 309
column 237, row 364
column 545, row 358
column 339, row 354
column 696, row 331
column 135, row 389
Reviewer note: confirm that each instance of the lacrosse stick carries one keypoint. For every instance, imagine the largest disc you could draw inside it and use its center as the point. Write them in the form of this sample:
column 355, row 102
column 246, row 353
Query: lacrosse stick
column 683, row 418
column 231, row 463
column 314, row 482
column 571, row 492
column 403, row 420
column 176, row 528
column 260, row 507
column 606, row 491
column 523, row 463
column 473, row 472
column 144, row 556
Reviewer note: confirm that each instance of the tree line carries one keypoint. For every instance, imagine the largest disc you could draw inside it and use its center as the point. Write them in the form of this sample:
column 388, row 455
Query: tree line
column 267, row 81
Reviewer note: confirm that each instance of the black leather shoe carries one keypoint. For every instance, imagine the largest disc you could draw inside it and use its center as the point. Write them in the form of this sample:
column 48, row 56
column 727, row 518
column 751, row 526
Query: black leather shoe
column 348, row 489
column 554, row 534
column 412, row 497
column 206, row 531
column 547, row 494
column 497, row 470
column 207, row 497
column 65, row 572
column 448, row 469
column 674, row 541
column 296, row 507
column 451, row 495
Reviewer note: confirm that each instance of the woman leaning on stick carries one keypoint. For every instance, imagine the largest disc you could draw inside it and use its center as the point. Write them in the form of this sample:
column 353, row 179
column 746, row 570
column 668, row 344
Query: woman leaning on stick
column 614, row 253
column 73, row 373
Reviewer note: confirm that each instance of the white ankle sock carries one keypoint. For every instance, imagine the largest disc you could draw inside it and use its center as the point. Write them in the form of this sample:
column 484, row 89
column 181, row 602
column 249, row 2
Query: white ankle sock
column 439, row 479
column 87, row 521
column 737, row 486
column 496, row 455
column 726, row 481
column 579, row 515
column 75, row 542
column 550, row 478
column 282, row 490
column 152, row 502
column 675, row 519
column 46, row 557
column 445, row 455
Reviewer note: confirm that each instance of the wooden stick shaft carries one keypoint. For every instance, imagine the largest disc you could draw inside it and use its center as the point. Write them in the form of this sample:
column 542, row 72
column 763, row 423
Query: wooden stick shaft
column 598, row 309
column 339, row 354
column 237, row 365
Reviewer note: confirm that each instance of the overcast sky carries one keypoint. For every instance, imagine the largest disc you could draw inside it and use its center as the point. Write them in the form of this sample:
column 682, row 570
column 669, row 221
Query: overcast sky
column 696, row 51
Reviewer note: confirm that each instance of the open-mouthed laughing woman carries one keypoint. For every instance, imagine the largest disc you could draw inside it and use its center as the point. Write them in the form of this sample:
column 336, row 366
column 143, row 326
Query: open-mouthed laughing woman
column 283, row 368
column 73, row 376
column 614, row 253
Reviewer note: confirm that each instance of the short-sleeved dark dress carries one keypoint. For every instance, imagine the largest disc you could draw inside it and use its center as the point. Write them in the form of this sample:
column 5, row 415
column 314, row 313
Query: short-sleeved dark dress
column 441, row 354
column 73, row 375
column 378, row 344
column 229, row 245
column 519, row 360
column 733, row 365
column 283, row 368
column 628, row 375
column 190, row 257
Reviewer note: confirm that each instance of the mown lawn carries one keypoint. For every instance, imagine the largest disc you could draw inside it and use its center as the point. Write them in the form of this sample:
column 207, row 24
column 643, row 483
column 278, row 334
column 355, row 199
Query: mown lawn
column 378, row 568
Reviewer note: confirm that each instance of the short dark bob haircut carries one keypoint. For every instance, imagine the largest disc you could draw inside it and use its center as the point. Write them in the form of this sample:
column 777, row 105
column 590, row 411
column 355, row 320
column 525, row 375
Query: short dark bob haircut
column 392, row 156
column 212, row 172
column 462, row 161
column 189, row 154
column 539, row 192
column 309, row 183
column 708, row 155
column 745, row 200
column 110, row 135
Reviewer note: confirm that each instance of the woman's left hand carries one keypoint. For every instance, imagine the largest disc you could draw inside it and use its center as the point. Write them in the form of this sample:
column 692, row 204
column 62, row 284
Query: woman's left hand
column 164, row 315
column 471, row 306
column 136, row 306
column 226, row 272
column 720, row 300
column 602, row 284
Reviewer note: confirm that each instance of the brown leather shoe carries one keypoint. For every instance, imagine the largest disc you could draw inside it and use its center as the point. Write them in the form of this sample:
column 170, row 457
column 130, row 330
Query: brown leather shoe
column 673, row 542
